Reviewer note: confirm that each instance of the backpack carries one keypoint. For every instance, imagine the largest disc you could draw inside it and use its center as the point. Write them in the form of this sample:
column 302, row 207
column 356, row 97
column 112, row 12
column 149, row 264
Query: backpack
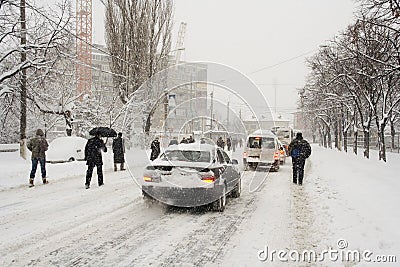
column 295, row 153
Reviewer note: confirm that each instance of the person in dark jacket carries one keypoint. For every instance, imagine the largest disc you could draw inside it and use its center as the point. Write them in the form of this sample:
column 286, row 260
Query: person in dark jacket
column 155, row 149
column 191, row 140
column 221, row 143
column 93, row 157
column 184, row 141
column 228, row 143
column 118, row 147
column 38, row 146
column 299, row 150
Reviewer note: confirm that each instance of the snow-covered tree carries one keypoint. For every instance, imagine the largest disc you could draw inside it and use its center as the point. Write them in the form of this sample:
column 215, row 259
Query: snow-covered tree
column 138, row 36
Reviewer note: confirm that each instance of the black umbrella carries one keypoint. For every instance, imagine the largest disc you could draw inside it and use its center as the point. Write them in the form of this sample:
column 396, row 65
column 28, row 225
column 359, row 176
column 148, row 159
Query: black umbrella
column 103, row 132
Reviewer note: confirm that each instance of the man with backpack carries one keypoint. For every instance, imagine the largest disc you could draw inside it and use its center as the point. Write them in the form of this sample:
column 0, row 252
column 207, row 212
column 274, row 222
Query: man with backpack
column 299, row 150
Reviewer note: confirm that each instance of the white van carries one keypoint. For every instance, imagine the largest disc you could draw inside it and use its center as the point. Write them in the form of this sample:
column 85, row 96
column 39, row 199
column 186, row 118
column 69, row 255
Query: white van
column 285, row 135
column 261, row 148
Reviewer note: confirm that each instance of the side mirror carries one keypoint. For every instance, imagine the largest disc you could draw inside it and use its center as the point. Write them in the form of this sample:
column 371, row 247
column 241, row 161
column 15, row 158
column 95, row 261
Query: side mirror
column 235, row 162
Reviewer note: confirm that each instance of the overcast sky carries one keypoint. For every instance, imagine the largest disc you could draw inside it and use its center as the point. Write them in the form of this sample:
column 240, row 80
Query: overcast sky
column 254, row 34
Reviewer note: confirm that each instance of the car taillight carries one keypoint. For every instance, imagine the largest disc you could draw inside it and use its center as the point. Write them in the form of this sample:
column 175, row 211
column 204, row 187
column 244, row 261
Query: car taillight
column 147, row 179
column 208, row 179
column 276, row 156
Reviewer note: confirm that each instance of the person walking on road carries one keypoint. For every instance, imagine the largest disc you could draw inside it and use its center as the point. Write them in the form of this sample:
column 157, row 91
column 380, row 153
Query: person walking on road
column 93, row 158
column 228, row 143
column 221, row 142
column 299, row 150
column 38, row 146
column 155, row 149
column 118, row 147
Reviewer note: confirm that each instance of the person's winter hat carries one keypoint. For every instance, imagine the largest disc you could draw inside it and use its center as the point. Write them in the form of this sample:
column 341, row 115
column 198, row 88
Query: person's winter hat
column 299, row 135
column 39, row 132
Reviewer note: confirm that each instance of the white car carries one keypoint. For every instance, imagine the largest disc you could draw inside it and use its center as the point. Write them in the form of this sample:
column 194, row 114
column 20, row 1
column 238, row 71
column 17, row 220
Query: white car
column 192, row 175
column 64, row 149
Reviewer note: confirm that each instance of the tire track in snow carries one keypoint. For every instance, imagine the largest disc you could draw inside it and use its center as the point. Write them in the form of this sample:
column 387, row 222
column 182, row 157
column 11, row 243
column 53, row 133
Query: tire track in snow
column 206, row 244
column 130, row 229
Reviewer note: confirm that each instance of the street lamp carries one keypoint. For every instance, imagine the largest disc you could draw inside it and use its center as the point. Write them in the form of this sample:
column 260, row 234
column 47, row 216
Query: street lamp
column 167, row 55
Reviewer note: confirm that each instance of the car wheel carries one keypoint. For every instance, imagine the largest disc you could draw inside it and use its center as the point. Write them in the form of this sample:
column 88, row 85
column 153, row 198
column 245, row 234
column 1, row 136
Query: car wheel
column 219, row 204
column 71, row 159
column 246, row 167
column 238, row 189
column 275, row 166
column 147, row 199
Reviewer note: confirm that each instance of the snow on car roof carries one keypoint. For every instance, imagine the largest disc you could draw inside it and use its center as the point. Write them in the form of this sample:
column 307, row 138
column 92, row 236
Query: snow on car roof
column 263, row 132
column 192, row 147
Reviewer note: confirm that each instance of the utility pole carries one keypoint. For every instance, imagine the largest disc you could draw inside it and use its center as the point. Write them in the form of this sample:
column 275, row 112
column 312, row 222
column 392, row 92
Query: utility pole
column 22, row 126
column 275, row 97
column 190, row 103
column 165, row 109
column 211, row 108
column 227, row 117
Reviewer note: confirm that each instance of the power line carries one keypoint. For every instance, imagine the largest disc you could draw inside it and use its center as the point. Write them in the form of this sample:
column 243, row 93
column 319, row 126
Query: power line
column 282, row 62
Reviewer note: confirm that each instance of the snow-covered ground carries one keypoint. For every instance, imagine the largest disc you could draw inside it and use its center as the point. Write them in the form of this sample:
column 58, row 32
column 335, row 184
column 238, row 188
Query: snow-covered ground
column 344, row 198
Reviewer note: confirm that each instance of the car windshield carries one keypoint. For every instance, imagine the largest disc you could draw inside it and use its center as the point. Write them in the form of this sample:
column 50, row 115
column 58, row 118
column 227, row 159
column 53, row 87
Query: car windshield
column 187, row 155
column 283, row 134
column 261, row 142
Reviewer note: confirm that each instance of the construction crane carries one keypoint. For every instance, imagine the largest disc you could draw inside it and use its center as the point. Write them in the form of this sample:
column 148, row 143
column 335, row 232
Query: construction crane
column 84, row 46
column 180, row 42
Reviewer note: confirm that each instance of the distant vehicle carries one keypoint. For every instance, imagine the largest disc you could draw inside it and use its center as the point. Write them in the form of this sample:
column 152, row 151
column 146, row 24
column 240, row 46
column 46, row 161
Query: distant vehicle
column 261, row 148
column 65, row 149
column 285, row 135
column 191, row 175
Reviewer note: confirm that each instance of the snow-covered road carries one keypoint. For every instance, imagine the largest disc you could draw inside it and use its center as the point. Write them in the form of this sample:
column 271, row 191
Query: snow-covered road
column 62, row 224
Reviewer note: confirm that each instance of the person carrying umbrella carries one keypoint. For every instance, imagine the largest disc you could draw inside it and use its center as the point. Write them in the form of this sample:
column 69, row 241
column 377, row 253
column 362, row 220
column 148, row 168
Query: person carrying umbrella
column 118, row 147
column 155, row 149
column 93, row 158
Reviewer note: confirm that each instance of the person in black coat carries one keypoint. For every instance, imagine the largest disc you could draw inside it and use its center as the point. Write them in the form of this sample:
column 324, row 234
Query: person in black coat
column 221, row 142
column 93, row 157
column 118, row 147
column 299, row 149
column 228, row 143
column 155, row 149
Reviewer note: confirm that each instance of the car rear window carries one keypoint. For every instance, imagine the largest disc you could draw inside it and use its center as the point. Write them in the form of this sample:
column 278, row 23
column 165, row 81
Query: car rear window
column 187, row 155
column 261, row 142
